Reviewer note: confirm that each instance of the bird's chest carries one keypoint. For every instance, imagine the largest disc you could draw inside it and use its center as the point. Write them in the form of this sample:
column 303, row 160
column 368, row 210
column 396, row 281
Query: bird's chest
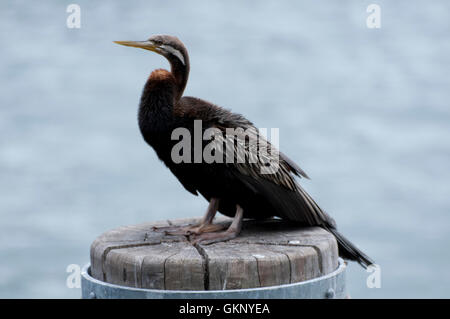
column 156, row 129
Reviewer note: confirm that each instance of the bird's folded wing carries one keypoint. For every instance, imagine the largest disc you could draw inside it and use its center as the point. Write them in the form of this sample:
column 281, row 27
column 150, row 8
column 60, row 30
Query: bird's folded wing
column 252, row 155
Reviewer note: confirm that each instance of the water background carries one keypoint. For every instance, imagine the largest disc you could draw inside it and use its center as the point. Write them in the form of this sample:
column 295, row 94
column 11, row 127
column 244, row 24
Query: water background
column 364, row 112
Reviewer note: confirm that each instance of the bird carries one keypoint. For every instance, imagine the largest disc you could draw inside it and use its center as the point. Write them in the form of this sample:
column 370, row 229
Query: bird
column 249, row 184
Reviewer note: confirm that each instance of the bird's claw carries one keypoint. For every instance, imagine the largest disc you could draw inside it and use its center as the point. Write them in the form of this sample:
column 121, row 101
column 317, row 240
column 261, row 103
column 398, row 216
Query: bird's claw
column 174, row 230
column 212, row 238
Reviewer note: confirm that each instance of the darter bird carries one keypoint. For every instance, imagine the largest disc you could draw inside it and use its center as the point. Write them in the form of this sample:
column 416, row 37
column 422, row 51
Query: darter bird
column 253, row 189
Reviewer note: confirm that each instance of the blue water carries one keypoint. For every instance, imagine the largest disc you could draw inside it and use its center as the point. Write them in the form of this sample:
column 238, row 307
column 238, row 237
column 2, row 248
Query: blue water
column 365, row 112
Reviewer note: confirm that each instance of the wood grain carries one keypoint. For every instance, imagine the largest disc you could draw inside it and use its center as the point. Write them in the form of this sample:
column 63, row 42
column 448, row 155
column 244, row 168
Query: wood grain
column 267, row 253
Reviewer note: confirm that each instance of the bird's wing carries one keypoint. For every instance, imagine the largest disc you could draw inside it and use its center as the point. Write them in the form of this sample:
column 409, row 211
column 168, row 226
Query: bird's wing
column 175, row 169
column 246, row 140
column 294, row 168
column 254, row 156
column 268, row 173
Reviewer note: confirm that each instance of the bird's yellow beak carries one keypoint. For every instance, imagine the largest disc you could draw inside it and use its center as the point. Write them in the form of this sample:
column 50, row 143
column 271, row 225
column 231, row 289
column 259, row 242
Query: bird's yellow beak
column 147, row 45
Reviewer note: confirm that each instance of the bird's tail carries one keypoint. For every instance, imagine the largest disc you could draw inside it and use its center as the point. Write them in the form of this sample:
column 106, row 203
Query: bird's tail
column 300, row 207
column 348, row 250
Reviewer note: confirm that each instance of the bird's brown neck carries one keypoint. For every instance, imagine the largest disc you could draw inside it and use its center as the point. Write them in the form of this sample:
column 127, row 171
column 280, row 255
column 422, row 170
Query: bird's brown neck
column 157, row 101
column 161, row 87
column 180, row 72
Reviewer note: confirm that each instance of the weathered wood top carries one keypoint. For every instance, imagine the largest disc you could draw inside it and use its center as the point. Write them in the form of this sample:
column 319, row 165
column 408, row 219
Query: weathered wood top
column 265, row 254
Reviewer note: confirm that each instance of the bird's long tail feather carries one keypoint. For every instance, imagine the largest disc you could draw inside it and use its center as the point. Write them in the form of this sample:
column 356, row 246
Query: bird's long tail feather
column 346, row 248
column 350, row 251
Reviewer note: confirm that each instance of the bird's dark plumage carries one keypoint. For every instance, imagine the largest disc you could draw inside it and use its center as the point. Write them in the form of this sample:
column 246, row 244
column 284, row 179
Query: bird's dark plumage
column 238, row 184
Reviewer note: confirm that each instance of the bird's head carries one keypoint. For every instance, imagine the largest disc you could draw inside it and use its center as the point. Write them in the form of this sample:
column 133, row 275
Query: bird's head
column 168, row 46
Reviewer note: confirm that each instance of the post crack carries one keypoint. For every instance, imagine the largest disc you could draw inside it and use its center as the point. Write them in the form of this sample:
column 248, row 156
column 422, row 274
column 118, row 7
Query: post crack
column 205, row 260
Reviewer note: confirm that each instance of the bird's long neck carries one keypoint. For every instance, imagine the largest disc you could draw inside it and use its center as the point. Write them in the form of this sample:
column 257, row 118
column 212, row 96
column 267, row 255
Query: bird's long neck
column 157, row 101
column 180, row 72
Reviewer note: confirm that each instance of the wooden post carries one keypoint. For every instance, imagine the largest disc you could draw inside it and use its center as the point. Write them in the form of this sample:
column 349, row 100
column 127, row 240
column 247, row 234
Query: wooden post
column 267, row 253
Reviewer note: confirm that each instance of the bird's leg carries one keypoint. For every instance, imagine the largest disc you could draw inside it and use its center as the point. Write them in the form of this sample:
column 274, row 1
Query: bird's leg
column 232, row 231
column 205, row 225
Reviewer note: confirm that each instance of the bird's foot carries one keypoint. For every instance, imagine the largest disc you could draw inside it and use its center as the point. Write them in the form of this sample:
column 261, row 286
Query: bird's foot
column 211, row 238
column 187, row 230
column 204, row 228
column 214, row 237
column 174, row 229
